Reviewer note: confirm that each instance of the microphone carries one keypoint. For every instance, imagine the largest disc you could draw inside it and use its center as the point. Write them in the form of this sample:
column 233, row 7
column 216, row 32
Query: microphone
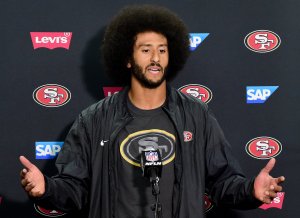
column 151, row 163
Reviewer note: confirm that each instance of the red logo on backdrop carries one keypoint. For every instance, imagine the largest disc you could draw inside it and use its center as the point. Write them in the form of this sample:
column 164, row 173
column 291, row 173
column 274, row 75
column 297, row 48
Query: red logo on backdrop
column 187, row 136
column 263, row 147
column 208, row 205
column 48, row 213
column 51, row 95
column 51, row 40
column 262, row 41
column 109, row 91
column 276, row 203
column 0, row 199
column 198, row 91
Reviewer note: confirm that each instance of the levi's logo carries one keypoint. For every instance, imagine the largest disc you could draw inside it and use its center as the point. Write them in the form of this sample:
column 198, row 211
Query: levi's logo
column 51, row 40
column 276, row 203
column 109, row 91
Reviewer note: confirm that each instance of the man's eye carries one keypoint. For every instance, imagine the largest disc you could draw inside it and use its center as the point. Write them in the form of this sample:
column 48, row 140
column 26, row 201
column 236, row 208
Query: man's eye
column 145, row 50
column 162, row 50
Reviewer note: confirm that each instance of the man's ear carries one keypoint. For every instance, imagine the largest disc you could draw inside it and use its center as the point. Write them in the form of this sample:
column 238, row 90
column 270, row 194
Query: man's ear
column 128, row 65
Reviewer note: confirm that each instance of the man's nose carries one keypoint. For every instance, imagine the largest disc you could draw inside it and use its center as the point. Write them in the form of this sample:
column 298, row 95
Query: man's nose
column 155, row 56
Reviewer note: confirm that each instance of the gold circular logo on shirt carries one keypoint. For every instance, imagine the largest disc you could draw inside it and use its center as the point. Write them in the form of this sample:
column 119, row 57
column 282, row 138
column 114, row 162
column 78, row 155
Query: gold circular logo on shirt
column 132, row 146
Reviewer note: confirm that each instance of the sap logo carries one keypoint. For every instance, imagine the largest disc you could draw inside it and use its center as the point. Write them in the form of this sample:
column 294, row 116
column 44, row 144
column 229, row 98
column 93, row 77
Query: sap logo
column 109, row 91
column 51, row 40
column 196, row 39
column 47, row 150
column 259, row 94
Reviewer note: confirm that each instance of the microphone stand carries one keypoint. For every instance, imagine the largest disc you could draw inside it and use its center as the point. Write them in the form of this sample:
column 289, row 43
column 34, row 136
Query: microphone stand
column 157, row 207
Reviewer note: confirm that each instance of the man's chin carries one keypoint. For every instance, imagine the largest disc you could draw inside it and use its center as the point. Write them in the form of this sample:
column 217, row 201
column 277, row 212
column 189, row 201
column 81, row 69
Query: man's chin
column 151, row 84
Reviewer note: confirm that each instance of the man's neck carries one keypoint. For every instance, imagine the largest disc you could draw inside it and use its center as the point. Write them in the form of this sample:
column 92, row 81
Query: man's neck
column 145, row 98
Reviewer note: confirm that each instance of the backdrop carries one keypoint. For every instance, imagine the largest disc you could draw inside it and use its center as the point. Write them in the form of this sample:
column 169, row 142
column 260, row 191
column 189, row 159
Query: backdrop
column 244, row 64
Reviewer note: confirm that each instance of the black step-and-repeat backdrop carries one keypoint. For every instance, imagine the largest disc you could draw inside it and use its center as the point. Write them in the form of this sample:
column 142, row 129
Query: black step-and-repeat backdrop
column 244, row 64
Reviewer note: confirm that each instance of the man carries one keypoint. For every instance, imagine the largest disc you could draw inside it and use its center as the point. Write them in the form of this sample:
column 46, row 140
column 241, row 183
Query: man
column 99, row 168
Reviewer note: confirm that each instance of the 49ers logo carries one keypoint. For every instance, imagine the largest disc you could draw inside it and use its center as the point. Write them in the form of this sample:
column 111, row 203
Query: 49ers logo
column 262, row 41
column 187, row 136
column 208, row 205
column 134, row 144
column 51, row 95
column 263, row 147
column 198, row 91
column 48, row 213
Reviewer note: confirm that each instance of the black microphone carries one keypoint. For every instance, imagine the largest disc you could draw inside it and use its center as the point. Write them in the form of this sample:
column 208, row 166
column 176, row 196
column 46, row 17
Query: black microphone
column 151, row 163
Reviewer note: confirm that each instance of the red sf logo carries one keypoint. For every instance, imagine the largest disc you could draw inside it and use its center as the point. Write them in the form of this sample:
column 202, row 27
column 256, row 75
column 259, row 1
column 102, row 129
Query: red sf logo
column 263, row 147
column 198, row 91
column 49, row 213
column 51, row 95
column 208, row 205
column 262, row 41
column 187, row 136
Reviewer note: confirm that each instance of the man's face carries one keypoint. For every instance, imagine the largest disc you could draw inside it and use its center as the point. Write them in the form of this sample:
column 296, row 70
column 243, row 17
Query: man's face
column 150, row 59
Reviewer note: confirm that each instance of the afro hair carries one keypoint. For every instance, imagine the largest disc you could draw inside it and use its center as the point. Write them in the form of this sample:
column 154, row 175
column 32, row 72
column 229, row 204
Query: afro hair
column 120, row 36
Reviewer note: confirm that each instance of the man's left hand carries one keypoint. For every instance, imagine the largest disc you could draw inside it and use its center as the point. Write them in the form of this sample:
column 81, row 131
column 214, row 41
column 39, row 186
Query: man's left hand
column 265, row 186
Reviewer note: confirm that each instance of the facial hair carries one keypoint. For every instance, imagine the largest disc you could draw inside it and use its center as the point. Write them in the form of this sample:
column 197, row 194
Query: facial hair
column 137, row 72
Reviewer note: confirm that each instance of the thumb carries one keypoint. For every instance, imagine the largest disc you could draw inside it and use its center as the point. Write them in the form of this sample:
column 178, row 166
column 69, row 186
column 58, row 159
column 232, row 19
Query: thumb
column 26, row 163
column 269, row 165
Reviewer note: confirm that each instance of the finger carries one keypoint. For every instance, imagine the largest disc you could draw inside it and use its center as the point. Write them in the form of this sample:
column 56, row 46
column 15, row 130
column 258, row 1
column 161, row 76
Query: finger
column 26, row 163
column 267, row 200
column 277, row 188
column 23, row 173
column 24, row 182
column 280, row 179
column 29, row 187
column 269, row 165
column 272, row 194
column 35, row 192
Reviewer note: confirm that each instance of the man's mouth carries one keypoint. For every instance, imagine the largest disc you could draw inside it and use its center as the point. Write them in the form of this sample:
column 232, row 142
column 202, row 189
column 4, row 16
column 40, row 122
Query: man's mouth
column 154, row 69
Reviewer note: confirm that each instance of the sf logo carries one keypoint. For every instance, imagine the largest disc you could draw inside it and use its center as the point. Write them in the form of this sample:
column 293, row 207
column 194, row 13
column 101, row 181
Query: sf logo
column 264, row 147
column 151, row 142
column 263, row 40
column 52, row 95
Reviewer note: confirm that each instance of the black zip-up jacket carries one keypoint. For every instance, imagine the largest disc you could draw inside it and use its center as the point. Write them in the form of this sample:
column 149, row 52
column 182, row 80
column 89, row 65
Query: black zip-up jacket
column 87, row 167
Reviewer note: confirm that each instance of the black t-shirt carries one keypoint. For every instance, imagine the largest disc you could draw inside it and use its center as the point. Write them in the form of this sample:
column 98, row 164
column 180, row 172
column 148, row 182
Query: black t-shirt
column 149, row 128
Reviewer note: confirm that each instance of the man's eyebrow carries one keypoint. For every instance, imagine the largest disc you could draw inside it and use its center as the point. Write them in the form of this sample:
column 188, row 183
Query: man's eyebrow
column 149, row 45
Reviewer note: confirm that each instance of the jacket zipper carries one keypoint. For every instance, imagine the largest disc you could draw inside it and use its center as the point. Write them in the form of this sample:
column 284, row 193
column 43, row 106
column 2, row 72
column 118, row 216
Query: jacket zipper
column 171, row 116
column 112, row 167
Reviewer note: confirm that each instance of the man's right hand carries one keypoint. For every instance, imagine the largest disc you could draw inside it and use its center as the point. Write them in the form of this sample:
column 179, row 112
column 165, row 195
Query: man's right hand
column 32, row 179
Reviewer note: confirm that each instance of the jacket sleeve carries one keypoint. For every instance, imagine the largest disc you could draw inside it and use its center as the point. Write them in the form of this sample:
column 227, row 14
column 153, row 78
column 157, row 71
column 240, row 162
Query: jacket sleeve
column 225, row 180
column 68, row 190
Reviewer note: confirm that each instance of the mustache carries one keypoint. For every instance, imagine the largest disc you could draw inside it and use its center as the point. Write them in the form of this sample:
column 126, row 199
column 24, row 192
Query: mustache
column 155, row 64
